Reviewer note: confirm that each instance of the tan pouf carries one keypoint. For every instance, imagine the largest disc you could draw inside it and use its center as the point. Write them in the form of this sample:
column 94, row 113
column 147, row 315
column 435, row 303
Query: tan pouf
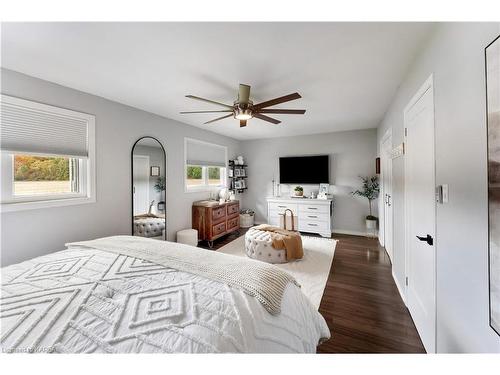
column 258, row 245
column 188, row 237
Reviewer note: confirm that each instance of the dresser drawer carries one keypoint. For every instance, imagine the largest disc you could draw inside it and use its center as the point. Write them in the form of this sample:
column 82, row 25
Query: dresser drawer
column 313, row 226
column 233, row 209
column 218, row 213
column 314, row 208
column 281, row 207
column 233, row 223
column 315, row 216
column 218, row 228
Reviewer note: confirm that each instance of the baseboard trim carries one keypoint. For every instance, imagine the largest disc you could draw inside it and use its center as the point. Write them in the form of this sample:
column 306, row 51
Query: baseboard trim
column 400, row 290
column 351, row 232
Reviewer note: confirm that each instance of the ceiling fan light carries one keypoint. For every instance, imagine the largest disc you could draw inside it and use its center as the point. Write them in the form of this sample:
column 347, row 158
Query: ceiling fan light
column 243, row 114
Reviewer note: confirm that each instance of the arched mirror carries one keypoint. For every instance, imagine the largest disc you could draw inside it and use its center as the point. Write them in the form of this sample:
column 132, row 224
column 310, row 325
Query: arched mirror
column 149, row 189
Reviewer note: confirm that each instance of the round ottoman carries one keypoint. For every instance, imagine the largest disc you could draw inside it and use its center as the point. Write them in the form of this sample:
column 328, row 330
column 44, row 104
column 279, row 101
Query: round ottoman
column 188, row 237
column 258, row 245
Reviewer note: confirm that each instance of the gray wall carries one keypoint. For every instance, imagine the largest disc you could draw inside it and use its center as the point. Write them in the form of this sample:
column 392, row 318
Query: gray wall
column 455, row 55
column 352, row 153
column 26, row 234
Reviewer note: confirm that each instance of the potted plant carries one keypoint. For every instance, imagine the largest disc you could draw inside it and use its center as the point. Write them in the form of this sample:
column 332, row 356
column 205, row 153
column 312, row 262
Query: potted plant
column 299, row 191
column 160, row 187
column 369, row 190
column 160, row 184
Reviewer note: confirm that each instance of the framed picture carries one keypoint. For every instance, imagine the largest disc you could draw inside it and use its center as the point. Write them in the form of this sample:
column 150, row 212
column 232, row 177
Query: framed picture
column 492, row 57
column 243, row 173
column 324, row 188
column 155, row 171
column 238, row 184
column 230, row 172
column 237, row 172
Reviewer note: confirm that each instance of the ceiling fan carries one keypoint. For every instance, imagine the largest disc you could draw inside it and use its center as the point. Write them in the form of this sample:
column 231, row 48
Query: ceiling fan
column 243, row 108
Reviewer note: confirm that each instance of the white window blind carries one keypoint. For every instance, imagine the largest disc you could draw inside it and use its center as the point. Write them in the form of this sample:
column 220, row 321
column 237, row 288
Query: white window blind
column 205, row 154
column 33, row 128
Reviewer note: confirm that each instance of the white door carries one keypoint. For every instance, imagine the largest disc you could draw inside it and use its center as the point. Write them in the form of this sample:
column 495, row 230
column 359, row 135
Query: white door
column 386, row 169
column 420, row 207
column 141, row 184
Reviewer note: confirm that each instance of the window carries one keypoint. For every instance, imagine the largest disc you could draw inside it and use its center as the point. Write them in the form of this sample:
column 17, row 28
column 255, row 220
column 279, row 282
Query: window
column 38, row 175
column 205, row 165
column 47, row 155
column 203, row 177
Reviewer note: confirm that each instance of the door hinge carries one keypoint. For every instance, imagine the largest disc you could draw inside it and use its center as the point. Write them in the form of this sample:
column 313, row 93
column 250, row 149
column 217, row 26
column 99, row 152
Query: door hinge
column 406, row 280
column 406, row 132
column 404, row 148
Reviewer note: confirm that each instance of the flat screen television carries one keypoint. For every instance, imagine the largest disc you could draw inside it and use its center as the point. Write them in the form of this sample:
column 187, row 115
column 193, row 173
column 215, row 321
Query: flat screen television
column 305, row 169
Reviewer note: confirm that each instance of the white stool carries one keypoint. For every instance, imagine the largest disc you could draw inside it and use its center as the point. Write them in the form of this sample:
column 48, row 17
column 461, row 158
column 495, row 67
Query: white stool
column 188, row 237
column 259, row 245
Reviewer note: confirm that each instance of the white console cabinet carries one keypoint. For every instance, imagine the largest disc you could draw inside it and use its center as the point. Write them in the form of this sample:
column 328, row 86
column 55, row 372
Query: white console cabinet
column 314, row 215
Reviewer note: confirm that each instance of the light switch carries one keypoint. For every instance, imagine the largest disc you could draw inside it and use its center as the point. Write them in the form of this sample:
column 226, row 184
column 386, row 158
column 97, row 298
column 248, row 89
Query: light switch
column 445, row 193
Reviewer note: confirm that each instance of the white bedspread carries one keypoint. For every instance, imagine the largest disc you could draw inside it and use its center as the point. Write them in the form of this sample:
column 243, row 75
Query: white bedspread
column 88, row 300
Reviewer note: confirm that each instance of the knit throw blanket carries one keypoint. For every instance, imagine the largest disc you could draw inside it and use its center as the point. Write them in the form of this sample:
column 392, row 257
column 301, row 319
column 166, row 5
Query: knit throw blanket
column 261, row 280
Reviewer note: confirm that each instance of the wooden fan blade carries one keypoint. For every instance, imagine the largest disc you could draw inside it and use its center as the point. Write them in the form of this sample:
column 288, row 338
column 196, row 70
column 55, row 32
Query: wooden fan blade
column 266, row 118
column 208, row 101
column 279, row 100
column 244, row 94
column 219, row 118
column 243, row 123
column 284, row 111
column 224, row 110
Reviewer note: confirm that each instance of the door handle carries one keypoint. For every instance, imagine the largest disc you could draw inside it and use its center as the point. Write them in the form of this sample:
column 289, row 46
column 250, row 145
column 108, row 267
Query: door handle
column 389, row 200
column 428, row 239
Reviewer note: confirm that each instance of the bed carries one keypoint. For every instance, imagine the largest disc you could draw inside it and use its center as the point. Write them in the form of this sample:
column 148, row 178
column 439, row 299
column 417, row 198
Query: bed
column 109, row 297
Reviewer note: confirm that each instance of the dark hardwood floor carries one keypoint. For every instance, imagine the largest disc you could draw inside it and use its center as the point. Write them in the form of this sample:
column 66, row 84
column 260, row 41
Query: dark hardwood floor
column 361, row 303
column 218, row 243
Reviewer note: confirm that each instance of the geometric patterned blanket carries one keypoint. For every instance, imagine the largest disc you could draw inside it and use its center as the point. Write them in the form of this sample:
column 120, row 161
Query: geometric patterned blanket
column 91, row 301
column 264, row 281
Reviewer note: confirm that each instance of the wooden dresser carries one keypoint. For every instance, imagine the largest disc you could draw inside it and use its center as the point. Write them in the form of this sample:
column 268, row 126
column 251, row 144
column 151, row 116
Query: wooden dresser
column 214, row 220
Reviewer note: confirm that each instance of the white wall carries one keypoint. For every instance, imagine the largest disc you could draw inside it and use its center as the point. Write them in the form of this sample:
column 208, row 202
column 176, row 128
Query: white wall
column 352, row 153
column 455, row 55
column 26, row 234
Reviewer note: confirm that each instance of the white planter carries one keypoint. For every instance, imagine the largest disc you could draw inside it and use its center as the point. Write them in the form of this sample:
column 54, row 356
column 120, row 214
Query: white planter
column 371, row 224
column 371, row 228
column 246, row 220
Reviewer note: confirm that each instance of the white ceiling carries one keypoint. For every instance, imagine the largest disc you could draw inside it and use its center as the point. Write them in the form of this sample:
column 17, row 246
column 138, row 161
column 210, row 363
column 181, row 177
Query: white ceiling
column 347, row 73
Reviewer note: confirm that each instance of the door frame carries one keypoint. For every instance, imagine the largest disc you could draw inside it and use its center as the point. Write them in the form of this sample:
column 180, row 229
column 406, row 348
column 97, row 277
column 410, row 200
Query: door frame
column 381, row 233
column 146, row 157
column 426, row 86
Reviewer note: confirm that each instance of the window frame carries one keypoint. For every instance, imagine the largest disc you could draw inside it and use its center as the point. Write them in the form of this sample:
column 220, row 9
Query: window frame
column 205, row 187
column 86, row 179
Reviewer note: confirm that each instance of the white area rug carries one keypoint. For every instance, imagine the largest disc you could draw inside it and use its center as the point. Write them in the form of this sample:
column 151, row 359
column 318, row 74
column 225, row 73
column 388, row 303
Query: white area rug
column 311, row 271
